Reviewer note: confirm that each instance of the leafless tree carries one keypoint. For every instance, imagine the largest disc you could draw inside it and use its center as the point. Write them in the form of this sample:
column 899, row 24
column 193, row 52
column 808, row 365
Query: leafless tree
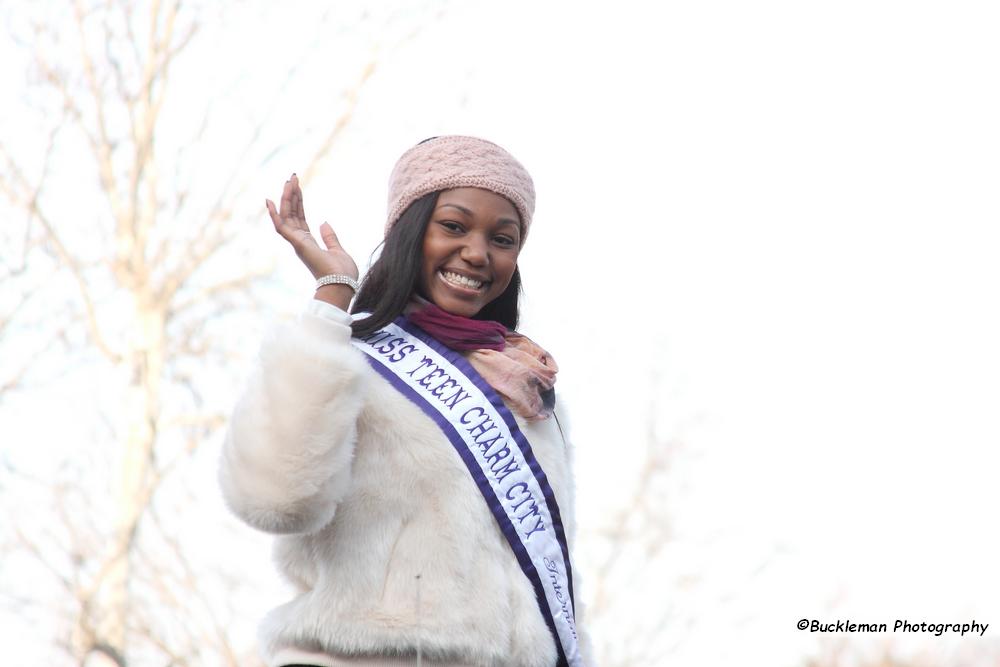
column 630, row 545
column 114, row 273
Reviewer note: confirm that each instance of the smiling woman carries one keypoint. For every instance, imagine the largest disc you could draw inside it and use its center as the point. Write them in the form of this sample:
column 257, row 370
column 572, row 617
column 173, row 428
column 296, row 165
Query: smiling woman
column 470, row 250
column 409, row 456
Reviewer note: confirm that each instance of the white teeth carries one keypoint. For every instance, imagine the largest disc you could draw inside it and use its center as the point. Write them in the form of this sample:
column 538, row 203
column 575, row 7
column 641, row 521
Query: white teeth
column 461, row 280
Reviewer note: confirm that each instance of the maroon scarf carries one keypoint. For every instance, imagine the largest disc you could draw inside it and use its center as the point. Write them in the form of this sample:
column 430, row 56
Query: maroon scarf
column 514, row 365
column 457, row 332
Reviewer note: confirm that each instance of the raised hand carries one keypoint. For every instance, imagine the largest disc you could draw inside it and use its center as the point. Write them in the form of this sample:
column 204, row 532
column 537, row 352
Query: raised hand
column 290, row 222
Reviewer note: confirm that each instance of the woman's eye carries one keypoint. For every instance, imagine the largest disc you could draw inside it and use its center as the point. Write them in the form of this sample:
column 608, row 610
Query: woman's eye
column 506, row 241
column 451, row 226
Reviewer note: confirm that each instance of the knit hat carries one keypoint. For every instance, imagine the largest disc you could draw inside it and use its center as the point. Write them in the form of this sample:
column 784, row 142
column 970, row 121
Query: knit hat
column 453, row 161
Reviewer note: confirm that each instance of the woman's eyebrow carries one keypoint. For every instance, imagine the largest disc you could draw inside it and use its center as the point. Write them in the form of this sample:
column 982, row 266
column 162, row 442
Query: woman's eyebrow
column 460, row 208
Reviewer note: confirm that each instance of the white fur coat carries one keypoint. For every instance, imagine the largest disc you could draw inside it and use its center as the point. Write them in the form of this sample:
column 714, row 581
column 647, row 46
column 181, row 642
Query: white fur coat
column 366, row 493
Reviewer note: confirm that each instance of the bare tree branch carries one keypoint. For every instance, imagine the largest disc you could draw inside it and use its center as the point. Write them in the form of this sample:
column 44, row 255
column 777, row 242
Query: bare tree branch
column 31, row 202
column 351, row 96
column 142, row 292
column 101, row 143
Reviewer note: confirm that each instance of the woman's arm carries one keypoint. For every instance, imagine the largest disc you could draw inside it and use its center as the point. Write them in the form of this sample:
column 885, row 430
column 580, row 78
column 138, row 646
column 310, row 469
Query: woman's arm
column 287, row 455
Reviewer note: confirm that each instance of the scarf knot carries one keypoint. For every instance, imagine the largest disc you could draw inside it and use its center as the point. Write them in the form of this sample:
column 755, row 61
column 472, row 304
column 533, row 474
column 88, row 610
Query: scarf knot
column 514, row 365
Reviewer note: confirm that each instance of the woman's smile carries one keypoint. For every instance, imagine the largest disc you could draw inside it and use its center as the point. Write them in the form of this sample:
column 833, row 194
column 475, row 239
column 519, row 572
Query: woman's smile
column 462, row 282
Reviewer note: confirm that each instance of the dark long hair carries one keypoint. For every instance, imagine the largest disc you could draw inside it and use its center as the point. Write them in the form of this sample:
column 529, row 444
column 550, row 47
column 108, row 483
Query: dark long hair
column 393, row 277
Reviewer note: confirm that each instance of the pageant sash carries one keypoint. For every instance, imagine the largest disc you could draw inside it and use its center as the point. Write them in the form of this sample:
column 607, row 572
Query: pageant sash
column 483, row 431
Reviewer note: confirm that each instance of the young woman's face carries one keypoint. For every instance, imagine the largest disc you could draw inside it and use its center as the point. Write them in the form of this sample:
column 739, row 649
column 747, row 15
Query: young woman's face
column 470, row 250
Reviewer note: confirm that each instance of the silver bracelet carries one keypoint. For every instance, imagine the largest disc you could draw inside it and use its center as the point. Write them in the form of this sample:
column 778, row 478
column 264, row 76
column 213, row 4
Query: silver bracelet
column 335, row 279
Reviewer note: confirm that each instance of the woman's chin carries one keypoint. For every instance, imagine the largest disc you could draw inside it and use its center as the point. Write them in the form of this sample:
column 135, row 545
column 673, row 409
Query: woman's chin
column 457, row 300
column 456, row 307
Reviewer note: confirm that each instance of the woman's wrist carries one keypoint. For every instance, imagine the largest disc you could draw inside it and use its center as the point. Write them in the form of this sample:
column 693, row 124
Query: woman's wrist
column 335, row 295
column 337, row 279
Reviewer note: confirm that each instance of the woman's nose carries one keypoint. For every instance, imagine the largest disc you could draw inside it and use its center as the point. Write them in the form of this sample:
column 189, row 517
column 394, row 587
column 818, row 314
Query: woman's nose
column 475, row 250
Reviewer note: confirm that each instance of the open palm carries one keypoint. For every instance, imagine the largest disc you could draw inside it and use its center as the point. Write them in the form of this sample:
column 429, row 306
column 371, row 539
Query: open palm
column 290, row 222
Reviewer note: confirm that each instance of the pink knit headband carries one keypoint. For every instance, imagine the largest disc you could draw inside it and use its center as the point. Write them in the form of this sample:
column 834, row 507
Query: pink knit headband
column 456, row 161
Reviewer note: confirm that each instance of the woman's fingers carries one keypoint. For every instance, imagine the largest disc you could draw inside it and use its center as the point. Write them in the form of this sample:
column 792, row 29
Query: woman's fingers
column 287, row 194
column 289, row 221
column 273, row 212
column 298, row 210
column 291, row 214
column 330, row 239
column 342, row 263
column 288, row 227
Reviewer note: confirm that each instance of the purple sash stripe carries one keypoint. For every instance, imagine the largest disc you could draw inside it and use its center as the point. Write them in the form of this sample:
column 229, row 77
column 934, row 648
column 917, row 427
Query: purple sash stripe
column 463, row 365
column 493, row 502
column 506, row 527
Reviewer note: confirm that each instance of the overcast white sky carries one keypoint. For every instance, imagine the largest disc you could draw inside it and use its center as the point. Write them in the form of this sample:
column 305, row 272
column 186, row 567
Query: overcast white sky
column 772, row 225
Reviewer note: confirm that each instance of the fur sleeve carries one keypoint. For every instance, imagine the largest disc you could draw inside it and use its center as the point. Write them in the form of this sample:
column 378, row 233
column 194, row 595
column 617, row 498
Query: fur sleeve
column 286, row 459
